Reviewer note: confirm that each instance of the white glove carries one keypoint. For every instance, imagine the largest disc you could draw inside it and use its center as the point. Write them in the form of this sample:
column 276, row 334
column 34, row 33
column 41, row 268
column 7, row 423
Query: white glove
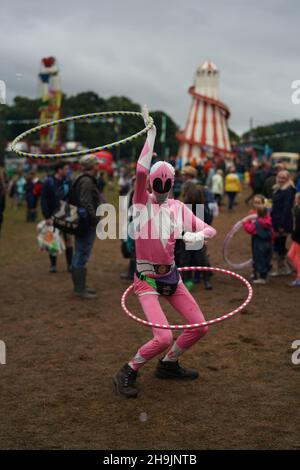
column 193, row 237
column 145, row 113
column 193, row 240
column 152, row 131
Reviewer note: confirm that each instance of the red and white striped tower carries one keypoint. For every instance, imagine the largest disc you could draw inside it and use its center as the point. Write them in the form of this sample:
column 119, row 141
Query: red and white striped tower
column 206, row 131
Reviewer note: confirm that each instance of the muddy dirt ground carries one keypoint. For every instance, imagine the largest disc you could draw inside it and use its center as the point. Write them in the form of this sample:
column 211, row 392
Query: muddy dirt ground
column 56, row 389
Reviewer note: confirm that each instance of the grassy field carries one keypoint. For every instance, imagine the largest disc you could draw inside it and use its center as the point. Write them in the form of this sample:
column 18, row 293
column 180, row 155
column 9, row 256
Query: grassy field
column 56, row 388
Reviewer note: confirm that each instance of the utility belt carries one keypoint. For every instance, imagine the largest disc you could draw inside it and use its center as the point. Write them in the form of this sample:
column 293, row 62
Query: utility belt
column 164, row 285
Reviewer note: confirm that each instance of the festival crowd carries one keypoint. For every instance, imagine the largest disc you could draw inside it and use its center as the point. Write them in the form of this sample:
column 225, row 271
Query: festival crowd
column 213, row 183
column 274, row 216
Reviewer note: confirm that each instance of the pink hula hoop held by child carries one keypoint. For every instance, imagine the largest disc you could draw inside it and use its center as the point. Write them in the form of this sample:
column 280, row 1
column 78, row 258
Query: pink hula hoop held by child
column 156, row 272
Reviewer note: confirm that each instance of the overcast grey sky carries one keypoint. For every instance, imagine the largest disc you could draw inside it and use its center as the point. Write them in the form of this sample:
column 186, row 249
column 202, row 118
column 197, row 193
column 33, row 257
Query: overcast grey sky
column 149, row 51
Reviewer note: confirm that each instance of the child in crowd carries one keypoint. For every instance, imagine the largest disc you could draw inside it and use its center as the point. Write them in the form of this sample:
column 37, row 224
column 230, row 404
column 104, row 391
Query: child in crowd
column 262, row 239
column 294, row 251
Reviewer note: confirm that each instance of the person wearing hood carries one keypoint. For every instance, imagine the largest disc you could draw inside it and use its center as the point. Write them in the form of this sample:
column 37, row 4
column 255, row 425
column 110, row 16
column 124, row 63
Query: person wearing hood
column 161, row 221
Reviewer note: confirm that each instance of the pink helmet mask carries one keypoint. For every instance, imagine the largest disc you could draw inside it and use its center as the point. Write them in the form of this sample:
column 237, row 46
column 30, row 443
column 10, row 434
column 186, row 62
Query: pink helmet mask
column 161, row 180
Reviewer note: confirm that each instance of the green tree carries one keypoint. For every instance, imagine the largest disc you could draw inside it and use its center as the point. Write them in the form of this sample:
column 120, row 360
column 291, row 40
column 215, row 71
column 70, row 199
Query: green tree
column 89, row 134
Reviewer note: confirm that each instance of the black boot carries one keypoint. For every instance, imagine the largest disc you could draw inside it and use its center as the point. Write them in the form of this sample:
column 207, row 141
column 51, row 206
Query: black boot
column 52, row 264
column 206, row 281
column 132, row 268
column 172, row 370
column 79, row 280
column 124, row 382
column 130, row 273
column 91, row 291
column 69, row 256
column 126, row 277
column 88, row 289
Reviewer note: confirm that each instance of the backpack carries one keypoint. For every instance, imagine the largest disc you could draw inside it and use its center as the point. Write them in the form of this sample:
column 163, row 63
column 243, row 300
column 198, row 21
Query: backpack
column 67, row 218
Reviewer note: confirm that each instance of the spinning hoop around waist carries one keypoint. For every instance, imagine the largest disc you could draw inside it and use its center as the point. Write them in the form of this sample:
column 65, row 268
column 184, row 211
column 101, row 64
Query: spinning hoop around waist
column 195, row 325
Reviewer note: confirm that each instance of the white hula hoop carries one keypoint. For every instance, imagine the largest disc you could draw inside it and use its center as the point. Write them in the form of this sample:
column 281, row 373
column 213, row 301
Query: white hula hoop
column 228, row 239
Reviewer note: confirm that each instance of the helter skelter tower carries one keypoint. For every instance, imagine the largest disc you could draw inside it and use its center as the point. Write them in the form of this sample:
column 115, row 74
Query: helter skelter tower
column 206, row 131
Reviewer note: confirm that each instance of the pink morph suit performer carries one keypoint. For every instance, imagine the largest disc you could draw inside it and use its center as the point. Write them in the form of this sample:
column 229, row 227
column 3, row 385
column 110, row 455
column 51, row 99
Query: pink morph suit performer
column 156, row 273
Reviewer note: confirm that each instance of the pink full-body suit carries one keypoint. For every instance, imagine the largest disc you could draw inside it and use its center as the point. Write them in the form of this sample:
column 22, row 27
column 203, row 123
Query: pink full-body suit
column 159, row 250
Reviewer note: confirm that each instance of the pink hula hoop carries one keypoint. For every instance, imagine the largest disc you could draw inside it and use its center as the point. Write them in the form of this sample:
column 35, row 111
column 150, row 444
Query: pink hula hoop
column 195, row 325
column 228, row 239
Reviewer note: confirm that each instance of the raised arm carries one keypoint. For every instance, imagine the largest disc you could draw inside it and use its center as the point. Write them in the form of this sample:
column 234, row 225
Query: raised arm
column 144, row 163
